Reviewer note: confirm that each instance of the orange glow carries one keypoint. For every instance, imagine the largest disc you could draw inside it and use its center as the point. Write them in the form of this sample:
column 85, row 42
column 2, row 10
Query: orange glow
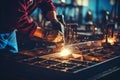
column 110, row 40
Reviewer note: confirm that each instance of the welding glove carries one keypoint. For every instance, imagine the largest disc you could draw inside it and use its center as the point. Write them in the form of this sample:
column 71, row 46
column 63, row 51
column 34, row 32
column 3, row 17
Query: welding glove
column 57, row 25
column 55, row 36
column 56, row 32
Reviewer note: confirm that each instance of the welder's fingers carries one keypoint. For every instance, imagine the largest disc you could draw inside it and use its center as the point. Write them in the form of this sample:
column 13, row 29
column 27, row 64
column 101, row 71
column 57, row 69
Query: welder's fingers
column 51, row 35
column 54, row 36
column 59, row 37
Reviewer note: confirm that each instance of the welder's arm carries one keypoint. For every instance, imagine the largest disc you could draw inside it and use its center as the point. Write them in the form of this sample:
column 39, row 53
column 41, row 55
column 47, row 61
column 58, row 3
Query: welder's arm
column 57, row 25
column 51, row 15
column 56, row 34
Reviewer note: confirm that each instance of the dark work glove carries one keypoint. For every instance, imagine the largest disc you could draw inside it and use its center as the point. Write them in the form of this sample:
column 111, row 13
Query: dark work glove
column 53, row 36
column 57, row 25
column 56, row 34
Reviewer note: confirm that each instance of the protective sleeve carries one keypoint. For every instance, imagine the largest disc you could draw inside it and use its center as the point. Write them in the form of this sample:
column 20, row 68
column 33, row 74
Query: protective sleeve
column 46, row 6
column 24, row 24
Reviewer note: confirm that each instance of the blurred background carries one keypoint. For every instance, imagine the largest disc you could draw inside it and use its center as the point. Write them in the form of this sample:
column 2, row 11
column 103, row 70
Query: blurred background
column 81, row 11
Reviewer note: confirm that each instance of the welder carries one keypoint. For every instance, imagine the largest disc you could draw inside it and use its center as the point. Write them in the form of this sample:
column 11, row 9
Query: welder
column 14, row 15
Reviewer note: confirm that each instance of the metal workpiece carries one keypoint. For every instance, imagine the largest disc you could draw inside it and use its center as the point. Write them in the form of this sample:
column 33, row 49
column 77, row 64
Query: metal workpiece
column 82, row 61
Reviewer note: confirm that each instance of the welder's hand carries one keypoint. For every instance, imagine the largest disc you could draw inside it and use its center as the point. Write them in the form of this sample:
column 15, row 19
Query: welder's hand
column 55, row 36
column 57, row 25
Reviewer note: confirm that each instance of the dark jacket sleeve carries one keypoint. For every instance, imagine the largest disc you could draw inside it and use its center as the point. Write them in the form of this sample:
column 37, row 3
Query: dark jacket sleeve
column 46, row 6
column 24, row 24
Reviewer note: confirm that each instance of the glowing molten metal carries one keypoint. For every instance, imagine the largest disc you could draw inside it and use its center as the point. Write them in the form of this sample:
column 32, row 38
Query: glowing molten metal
column 110, row 40
column 65, row 52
